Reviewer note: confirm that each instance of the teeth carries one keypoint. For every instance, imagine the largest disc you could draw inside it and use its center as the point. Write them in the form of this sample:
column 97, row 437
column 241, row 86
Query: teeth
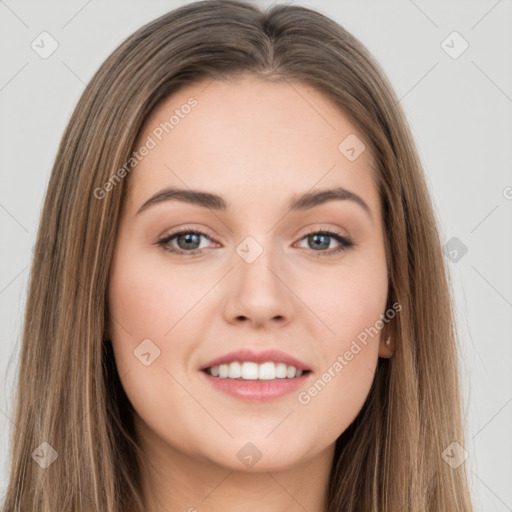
column 267, row 371
column 235, row 370
column 253, row 371
column 280, row 370
column 223, row 371
column 249, row 370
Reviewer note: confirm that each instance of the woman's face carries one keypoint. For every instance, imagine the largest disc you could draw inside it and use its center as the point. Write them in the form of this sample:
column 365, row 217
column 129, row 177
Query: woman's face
column 249, row 271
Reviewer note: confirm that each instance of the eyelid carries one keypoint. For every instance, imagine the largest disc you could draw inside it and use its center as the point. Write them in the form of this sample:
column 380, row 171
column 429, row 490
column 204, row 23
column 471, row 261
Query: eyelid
column 318, row 227
column 187, row 228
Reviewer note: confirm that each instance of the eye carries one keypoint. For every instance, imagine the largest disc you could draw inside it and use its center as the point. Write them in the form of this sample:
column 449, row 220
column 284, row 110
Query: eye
column 321, row 240
column 188, row 241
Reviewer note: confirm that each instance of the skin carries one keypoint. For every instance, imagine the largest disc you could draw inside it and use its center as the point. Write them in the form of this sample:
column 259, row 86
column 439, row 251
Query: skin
column 257, row 144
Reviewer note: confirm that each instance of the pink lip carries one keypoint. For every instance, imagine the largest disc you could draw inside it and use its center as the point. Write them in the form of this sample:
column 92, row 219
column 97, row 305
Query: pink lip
column 247, row 354
column 257, row 390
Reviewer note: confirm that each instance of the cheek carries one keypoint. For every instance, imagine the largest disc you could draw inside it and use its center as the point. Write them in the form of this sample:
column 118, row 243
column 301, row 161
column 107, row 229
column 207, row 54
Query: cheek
column 336, row 396
column 350, row 301
column 137, row 309
column 148, row 300
column 351, row 307
column 357, row 309
column 351, row 304
column 146, row 309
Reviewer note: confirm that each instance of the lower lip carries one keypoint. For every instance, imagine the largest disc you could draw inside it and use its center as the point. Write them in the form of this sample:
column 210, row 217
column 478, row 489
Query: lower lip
column 257, row 390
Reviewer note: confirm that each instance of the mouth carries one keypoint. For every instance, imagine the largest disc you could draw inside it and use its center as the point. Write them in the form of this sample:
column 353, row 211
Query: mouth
column 255, row 382
column 252, row 371
column 253, row 375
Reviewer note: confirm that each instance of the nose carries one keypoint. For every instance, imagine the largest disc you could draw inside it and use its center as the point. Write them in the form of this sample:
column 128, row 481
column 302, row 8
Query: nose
column 258, row 293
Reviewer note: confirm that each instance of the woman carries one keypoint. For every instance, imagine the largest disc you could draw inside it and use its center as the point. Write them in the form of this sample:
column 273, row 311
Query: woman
column 238, row 295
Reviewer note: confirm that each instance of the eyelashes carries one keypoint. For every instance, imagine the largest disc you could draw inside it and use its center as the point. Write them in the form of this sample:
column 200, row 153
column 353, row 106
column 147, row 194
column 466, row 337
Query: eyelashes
column 344, row 242
column 193, row 236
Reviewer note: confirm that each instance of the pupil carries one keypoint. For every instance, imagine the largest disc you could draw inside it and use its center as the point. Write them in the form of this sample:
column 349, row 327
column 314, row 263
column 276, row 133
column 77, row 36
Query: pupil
column 191, row 239
column 324, row 245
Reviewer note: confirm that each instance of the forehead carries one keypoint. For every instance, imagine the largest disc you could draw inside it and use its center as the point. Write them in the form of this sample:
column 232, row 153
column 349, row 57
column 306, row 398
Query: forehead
column 250, row 138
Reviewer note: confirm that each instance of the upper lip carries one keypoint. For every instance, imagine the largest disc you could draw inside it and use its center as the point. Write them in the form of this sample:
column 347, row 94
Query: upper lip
column 247, row 354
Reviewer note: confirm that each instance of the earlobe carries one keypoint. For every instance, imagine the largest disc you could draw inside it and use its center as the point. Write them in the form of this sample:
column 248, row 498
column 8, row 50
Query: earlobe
column 386, row 346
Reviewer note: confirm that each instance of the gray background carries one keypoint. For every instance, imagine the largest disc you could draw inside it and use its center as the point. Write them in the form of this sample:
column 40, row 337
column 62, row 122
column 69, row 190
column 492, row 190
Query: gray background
column 460, row 112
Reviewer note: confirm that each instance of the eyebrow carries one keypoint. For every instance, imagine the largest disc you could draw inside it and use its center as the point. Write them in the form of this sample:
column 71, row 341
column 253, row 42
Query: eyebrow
column 302, row 202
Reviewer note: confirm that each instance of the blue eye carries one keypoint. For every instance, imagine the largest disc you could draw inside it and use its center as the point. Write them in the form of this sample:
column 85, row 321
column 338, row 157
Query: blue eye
column 189, row 242
column 320, row 239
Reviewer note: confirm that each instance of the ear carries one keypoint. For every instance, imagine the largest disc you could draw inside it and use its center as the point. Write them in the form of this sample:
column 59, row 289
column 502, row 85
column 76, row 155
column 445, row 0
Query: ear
column 388, row 335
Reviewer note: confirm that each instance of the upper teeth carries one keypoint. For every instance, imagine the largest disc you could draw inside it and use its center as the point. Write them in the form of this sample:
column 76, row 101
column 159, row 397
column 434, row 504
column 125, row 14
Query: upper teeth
column 251, row 371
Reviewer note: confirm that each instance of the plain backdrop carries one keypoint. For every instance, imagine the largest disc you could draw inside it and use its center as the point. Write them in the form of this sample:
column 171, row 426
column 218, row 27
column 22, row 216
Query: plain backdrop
column 459, row 105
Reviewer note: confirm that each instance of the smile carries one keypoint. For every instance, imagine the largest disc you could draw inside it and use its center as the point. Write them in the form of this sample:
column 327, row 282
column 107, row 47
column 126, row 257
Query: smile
column 256, row 382
column 249, row 370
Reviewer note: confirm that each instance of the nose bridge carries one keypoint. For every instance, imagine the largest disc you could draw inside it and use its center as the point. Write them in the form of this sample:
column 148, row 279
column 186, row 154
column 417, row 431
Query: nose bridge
column 259, row 293
column 256, row 263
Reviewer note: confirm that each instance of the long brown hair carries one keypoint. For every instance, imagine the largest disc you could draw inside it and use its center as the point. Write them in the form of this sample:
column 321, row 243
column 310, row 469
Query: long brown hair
column 69, row 393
